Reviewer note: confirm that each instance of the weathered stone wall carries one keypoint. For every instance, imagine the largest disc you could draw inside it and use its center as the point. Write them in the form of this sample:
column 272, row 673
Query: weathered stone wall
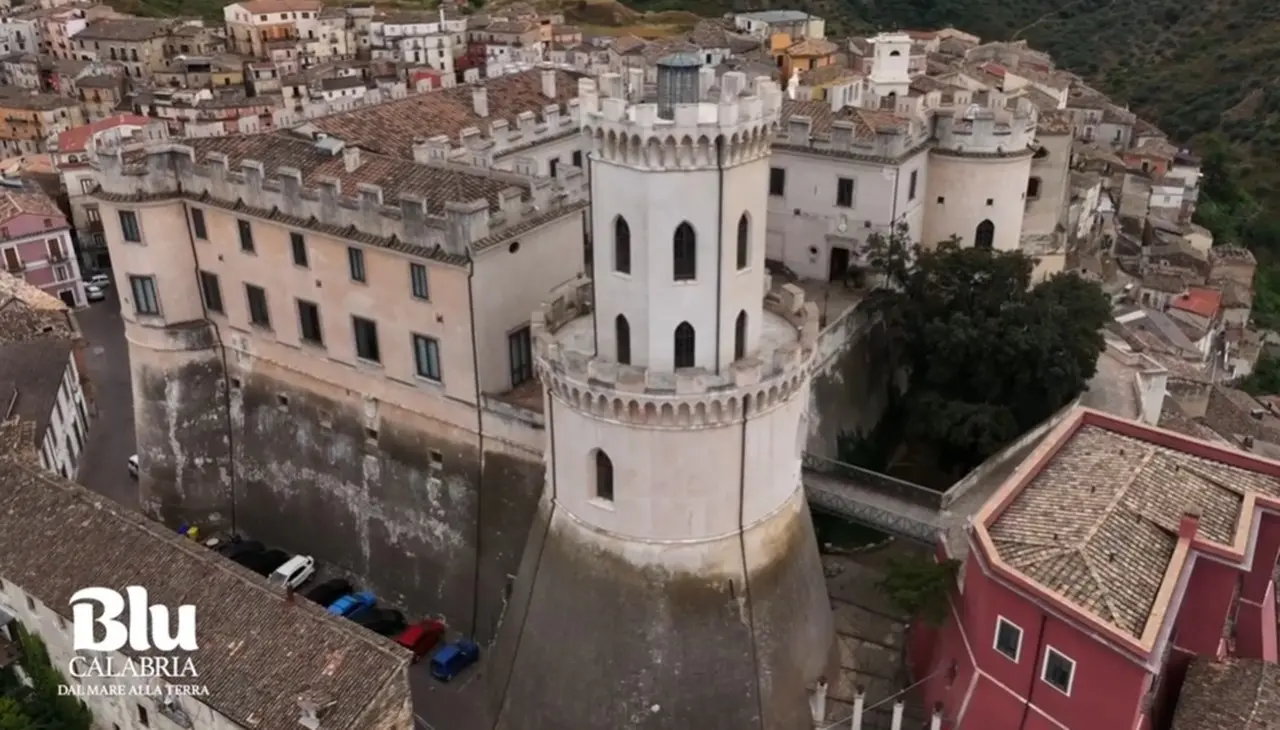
column 406, row 503
column 853, row 369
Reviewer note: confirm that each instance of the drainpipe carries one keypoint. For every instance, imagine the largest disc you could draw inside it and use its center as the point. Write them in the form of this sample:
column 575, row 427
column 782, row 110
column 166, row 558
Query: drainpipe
column 222, row 352
column 475, row 375
column 1035, row 668
column 742, row 551
column 720, row 244
column 595, row 317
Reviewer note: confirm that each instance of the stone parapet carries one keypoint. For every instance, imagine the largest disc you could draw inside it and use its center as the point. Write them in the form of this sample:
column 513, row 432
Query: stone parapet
column 632, row 134
column 986, row 131
column 688, row 397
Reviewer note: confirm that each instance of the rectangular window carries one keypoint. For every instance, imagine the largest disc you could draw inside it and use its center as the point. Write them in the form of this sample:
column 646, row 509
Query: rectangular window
column 426, row 357
column 129, row 226
column 1008, row 639
column 844, row 192
column 309, row 323
column 87, row 185
column 520, row 347
column 911, row 185
column 197, row 225
column 259, row 315
column 355, row 261
column 145, row 299
column 91, row 212
column 777, row 181
column 212, row 292
column 418, row 281
column 246, row 236
column 366, row 331
column 1059, row 670
column 555, row 167
column 577, row 159
column 299, row 247
column 142, row 716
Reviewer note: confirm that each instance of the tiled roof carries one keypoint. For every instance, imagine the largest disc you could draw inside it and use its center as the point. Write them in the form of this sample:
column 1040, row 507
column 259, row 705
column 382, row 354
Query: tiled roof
column 867, row 122
column 1233, row 694
column 1093, row 516
column 77, row 139
column 98, row 81
column 33, row 370
column 1202, row 302
column 829, row 74
column 1058, row 121
column 29, row 201
column 257, row 651
column 12, row 97
column 263, row 7
column 812, row 47
column 391, row 128
column 129, row 30
column 511, row 27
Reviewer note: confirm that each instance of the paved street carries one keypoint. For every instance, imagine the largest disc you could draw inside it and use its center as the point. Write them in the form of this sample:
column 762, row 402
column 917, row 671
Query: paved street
column 103, row 465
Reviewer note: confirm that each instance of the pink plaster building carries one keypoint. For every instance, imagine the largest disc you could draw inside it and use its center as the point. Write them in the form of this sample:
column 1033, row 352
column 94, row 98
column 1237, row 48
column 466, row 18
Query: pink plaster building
column 35, row 243
column 1111, row 557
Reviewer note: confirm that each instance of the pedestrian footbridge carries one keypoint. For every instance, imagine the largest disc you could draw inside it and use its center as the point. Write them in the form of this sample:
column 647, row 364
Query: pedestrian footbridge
column 878, row 501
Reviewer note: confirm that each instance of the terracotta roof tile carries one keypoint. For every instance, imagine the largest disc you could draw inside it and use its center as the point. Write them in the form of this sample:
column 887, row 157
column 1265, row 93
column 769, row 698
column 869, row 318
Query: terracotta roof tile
column 76, row 139
column 33, row 370
column 262, row 7
column 124, row 29
column 32, row 201
column 1202, row 302
column 1240, row 694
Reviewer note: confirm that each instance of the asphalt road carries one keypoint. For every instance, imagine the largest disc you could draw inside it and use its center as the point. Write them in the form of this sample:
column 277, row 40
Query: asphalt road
column 103, row 466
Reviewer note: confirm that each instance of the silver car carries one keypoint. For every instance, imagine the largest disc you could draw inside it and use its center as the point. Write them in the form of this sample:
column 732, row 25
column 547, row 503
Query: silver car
column 94, row 293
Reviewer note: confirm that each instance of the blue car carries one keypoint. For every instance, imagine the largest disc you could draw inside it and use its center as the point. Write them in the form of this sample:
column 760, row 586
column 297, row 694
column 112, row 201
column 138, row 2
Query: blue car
column 352, row 605
column 453, row 658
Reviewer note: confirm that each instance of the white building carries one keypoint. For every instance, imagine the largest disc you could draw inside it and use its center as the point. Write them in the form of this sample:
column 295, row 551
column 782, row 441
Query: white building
column 300, row 666
column 39, row 383
column 433, row 39
column 677, row 387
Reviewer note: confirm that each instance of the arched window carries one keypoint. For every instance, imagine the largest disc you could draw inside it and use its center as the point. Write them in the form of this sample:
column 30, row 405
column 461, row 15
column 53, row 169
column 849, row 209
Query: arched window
column 740, row 336
column 1033, row 188
column 744, row 246
column 622, row 331
column 621, row 245
column 684, row 345
column 684, row 252
column 894, row 54
column 985, row 236
column 604, row 476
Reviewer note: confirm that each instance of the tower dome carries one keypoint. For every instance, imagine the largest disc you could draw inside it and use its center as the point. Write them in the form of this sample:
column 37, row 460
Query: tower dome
column 672, row 579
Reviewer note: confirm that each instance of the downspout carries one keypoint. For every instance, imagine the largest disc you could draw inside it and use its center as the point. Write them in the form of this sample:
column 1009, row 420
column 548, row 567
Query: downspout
column 742, row 551
column 893, row 212
column 719, row 242
column 222, row 351
column 1035, row 674
column 475, row 375
column 595, row 319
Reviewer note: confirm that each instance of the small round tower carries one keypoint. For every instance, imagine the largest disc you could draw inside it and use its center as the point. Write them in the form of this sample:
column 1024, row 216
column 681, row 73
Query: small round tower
column 673, row 579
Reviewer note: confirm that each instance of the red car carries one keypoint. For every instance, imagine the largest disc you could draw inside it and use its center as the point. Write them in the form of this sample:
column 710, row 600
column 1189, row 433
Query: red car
column 421, row 638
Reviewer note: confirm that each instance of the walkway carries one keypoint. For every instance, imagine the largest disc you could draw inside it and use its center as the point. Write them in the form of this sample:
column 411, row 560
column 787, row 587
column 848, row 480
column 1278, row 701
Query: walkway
column 873, row 499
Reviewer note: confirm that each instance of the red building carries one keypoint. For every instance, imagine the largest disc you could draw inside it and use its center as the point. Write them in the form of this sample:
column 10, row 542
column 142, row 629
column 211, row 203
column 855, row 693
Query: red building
column 1111, row 557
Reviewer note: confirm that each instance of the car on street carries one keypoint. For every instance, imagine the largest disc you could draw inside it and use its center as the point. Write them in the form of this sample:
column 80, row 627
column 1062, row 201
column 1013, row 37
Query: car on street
column 382, row 621
column 421, row 638
column 453, row 659
column 329, row 591
column 100, row 280
column 353, row 605
column 133, row 466
column 267, row 562
column 295, row 571
column 248, row 554
column 237, row 546
column 94, row 293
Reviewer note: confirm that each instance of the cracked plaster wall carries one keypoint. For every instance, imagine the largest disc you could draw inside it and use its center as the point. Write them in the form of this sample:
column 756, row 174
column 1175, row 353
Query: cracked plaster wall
column 850, row 386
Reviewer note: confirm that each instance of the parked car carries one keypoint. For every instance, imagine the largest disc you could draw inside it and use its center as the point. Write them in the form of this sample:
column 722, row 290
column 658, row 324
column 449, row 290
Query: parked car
column 453, row 659
column 421, row 638
column 295, row 571
column 353, row 604
column 238, row 547
column 133, row 466
column 383, row 621
column 329, row 591
column 100, row 280
column 94, row 293
column 267, row 562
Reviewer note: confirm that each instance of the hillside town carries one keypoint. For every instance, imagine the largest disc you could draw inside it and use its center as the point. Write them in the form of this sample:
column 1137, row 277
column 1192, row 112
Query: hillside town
column 465, row 367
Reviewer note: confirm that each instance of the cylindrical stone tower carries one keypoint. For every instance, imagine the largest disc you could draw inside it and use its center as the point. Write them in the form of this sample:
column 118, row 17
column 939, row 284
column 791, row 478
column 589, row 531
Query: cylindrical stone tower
column 672, row 580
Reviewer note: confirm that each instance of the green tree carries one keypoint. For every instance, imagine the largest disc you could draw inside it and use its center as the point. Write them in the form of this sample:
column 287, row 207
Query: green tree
column 919, row 588
column 39, row 707
column 988, row 355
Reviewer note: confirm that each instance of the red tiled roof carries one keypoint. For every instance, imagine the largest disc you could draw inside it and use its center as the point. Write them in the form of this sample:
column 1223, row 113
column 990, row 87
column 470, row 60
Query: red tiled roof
column 77, row 138
column 1203, row 302
column 994, row 69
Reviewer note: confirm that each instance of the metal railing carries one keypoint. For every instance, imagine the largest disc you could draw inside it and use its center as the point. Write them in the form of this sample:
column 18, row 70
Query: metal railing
column 881, row 483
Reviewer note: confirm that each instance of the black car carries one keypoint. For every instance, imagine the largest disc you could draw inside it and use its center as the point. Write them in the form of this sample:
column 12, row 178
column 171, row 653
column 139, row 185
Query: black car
column 383, row 621
column 239, row 548
column 265, row 563
column 329, row 591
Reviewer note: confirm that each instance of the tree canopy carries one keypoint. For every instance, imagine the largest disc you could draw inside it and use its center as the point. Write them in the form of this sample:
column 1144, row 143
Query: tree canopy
column 988, row 355
column 39, row 706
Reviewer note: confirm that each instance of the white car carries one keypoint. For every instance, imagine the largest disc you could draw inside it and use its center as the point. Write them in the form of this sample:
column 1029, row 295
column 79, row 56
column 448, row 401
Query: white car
column 296, row 571
column 100, row 280
column 133, row 466
column 94, row 293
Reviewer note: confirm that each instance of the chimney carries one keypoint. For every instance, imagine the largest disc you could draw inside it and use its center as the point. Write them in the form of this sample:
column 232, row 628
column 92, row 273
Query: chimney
column 549, row 84
column 859, row 702
column 1190, row 524
column 351, row 157
column 480, row 101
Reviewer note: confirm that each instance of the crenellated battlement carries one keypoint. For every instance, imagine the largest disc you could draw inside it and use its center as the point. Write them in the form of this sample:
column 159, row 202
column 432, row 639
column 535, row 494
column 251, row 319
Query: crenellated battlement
column 686, row 397
column 171, row 169
column 987, row 131
column 625, row 130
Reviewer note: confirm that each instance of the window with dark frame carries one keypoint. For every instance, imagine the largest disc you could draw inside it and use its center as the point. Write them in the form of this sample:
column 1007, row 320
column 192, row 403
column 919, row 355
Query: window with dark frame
column 1033, row 187
column 554, row 167
column 246, row 235
column 146, row 300
column 1008, row 639
column 197, row 225
column 844, row 192
column 129, row 228
column 426, row 357
column 577, row 159
column 777, row 181
column 684, row 253
column 911, row 185
column 520, row 349
column 744, row 242
column 366, row 334
column 298, row 245
column 604, row 476
column 684, row 345
column 355, row 262
column 418, row 281
column 740, row 336
column 1059, row 670
column 622, row 333
column 142, row 716
column 211, row 290
column 621, row 246
column 259, row 315
column 309, row 329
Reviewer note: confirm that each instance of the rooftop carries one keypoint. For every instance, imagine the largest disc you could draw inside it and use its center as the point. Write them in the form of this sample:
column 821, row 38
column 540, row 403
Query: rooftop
column 257, row 651
column 30, row 201
column 123, row 29
column 392, row 127
column 1241, row 694
column 32, row 371
column 778, row 16
column 1201, row 302
column 1091, row 518
column 280, row 6
column 77, row 139
column 12, row 97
